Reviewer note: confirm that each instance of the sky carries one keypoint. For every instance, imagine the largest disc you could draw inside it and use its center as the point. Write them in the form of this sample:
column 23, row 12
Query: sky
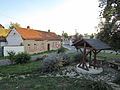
column 70, row 16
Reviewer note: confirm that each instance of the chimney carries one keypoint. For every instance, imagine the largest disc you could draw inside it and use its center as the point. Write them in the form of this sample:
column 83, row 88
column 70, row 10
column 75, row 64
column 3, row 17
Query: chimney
column 28, row 27
column 48, row 30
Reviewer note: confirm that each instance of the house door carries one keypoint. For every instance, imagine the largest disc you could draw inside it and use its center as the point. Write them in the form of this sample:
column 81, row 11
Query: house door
column 48, row 47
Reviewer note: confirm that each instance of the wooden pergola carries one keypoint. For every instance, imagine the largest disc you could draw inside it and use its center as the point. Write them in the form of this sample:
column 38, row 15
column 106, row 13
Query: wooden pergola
column 87, row 47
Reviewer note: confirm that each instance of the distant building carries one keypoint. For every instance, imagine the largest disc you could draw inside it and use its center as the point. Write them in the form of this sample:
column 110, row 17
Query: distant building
column 2, row 44
column 3, row 32
column 33, row 41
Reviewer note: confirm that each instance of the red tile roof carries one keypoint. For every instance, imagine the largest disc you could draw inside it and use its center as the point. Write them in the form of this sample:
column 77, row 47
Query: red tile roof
column 30, row 34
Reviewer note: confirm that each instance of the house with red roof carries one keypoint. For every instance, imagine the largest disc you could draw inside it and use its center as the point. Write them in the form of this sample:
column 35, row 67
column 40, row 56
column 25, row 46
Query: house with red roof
column 33, row 41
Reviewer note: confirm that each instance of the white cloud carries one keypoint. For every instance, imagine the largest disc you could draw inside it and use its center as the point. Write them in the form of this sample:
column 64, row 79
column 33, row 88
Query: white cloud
column 73, row 14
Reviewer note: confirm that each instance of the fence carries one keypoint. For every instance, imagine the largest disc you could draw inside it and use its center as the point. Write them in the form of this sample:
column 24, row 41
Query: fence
column 16, row 49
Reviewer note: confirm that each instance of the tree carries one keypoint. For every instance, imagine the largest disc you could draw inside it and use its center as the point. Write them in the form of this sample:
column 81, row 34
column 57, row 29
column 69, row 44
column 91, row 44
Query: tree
column 12, row 25
column 65, row 35
column 110, row 29
column 77, row 37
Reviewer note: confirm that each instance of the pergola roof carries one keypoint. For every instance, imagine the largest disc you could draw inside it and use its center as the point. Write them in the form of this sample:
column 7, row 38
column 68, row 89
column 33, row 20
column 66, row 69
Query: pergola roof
column 92, row 43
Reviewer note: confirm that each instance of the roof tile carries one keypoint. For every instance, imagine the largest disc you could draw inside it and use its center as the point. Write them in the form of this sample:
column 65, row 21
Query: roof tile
column 36, row 34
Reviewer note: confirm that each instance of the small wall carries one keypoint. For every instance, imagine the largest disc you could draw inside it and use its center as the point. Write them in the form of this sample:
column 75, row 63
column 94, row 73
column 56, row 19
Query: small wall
column 16, row 49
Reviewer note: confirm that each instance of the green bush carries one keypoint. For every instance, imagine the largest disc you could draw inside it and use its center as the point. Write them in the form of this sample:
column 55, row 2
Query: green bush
column 99, row 85
column 78, row 58
column 22, row 58
column 117, row 80
column 54, row 62
column 49, row 65
column 64, row 58
column 61, row 50
column 42, row 57
column 11, row 56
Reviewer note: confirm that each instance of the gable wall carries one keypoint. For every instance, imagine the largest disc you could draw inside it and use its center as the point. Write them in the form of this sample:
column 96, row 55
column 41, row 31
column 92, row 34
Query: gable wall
column 14, row 38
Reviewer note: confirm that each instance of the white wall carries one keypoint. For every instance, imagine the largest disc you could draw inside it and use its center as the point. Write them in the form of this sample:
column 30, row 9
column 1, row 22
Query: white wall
column 16, row 49
column 3, row 44
column 14, row 38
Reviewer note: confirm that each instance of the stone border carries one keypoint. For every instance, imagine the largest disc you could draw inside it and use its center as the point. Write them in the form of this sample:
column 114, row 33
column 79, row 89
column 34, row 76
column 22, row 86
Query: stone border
column 91, row 70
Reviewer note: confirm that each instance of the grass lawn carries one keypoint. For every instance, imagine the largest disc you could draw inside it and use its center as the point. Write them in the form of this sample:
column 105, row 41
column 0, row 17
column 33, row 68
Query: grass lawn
column 3, row 58
column 46, row 52
column 27, row 77
column 20, row 69
column 45, row 83
column 109, row 55
column 11, row 79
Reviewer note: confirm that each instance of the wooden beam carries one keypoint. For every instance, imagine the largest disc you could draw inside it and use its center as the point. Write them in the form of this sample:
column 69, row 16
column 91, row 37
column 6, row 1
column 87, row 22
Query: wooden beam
column 81, row 51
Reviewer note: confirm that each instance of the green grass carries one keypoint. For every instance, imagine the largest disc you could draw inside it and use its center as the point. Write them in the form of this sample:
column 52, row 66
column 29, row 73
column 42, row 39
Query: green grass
column 46, row 52
column 45, row 83
column 4, row 58
column 12, row 80
column 20, row 69
column 109, row 55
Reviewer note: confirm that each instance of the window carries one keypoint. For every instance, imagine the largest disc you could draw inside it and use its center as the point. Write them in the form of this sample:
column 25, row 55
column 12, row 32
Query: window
column 28, row 46
column 35, row 46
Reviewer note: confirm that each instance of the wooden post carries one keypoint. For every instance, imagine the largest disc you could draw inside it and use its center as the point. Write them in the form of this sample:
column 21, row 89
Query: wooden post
column 84, row 66
column 95, row 53
column 90, row 59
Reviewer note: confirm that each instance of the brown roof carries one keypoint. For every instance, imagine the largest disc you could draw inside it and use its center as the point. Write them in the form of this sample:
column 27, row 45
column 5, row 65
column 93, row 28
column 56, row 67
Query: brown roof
column 30, row 34
column 2, row 39
column 3, row 32
column 92, row 43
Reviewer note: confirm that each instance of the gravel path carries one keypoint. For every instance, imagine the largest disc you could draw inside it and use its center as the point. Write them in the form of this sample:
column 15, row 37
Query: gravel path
column 4, row 62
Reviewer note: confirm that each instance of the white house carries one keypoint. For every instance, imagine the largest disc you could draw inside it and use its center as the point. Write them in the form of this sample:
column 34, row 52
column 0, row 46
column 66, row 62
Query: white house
column 32, row 41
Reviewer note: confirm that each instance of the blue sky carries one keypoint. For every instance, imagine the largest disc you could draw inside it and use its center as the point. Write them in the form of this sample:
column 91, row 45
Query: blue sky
column 57, row 15
column 21, row 7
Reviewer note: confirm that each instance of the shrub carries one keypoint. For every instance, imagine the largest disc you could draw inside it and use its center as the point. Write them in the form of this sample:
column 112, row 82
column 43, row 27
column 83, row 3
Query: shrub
column 117, row 80
column 21, row 58
column 99, row 85
column 42, row 57
column 11, row 56
column 64, row 58
column 61, row 50
column 49, row 65
column 54, row 62
column 78, row 58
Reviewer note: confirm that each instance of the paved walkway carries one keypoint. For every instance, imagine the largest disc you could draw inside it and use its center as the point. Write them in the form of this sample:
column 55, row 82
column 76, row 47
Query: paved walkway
column 4, row 62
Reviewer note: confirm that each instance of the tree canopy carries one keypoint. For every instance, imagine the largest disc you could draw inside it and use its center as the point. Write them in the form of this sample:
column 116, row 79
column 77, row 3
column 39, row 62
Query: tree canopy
column 12, row 25
column 64, row 34
column 110, row 28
